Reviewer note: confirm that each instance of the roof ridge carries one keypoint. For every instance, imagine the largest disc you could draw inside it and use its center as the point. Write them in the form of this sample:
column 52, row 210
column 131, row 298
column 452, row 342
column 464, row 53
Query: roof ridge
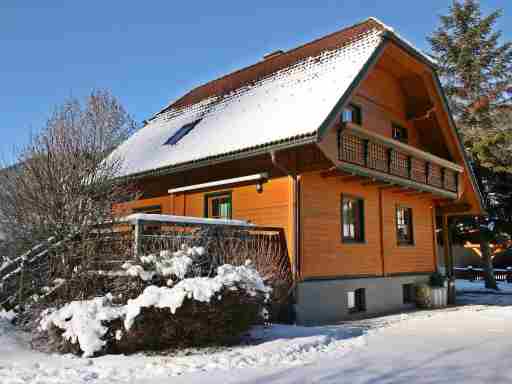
column 194, row 95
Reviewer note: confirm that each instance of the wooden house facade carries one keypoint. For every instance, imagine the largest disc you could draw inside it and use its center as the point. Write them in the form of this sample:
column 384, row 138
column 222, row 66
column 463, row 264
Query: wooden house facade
column 345, row 142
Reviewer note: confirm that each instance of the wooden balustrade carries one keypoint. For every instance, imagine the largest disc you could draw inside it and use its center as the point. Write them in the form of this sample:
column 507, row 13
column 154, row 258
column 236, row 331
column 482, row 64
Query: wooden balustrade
column 397, row 159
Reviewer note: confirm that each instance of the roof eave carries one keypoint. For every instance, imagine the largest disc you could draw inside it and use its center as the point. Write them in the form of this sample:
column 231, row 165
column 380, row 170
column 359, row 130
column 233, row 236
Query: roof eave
column 230, row 156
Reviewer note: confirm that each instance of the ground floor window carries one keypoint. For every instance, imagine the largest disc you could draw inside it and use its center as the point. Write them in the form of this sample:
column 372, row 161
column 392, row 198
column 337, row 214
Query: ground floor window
column 352, row 219
column 409, row 293
column 218, row 205
column 404, row 229
column 356, row 300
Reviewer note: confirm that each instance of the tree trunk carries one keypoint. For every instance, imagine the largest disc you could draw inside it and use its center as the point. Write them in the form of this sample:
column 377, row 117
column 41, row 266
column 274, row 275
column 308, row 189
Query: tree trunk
column 490, row 279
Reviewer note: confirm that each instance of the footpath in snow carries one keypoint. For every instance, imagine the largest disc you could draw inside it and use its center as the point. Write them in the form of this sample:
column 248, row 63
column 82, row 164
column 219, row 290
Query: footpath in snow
column 470, row 343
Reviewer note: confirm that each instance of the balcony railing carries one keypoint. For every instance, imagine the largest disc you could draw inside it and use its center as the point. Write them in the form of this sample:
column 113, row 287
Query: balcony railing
column 386, row 156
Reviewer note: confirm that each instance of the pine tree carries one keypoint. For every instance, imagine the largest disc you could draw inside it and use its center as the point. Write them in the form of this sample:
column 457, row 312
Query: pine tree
column 476, row 72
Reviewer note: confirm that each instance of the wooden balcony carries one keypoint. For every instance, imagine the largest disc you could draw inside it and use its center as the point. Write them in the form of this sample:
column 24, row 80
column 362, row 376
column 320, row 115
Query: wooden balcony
column 372, row 155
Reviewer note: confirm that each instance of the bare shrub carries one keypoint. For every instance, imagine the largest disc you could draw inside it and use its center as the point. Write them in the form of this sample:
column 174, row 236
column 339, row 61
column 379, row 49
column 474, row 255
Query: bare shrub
column 61, row 184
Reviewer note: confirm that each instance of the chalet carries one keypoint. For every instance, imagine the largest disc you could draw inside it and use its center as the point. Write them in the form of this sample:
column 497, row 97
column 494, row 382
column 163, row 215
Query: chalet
column 345, row 142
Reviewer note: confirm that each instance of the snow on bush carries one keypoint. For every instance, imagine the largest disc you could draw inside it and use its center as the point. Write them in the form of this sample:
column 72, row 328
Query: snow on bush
column 8, row 316
column 85, row 322
column 81, row 322
column 200, row 289
column 167, row 264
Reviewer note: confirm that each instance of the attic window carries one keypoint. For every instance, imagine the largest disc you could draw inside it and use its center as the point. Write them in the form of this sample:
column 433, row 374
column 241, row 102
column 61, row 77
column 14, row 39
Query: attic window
column 181, row 133
column 352, row 114
column 400, row 133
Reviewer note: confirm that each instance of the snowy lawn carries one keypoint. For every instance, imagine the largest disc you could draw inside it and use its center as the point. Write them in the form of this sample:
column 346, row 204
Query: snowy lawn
column 470, row 343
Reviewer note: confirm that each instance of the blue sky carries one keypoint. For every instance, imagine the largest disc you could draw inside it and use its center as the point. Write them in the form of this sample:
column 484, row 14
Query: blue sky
column 151, row 52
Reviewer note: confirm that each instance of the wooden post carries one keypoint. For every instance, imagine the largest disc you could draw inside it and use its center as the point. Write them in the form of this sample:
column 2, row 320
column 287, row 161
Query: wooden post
column 137, row 237
column 434, row 238
column 365, row 152
column 447, row 246
column 21, row 282
column 381, row 229
column 448, row 259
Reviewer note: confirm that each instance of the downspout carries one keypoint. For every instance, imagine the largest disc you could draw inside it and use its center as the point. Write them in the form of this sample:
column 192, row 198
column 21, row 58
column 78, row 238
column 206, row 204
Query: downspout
column 296, row 214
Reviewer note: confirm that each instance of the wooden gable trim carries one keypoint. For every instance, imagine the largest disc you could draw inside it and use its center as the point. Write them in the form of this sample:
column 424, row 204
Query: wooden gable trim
column 453, row 130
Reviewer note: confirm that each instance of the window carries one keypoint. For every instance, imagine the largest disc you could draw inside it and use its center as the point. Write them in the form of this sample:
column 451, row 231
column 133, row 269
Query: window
column 352, row 114
column 400, row 133
column 404, row 226
column 409, row 293
column 218, row 205
column 356, row 301
column 352, row 219
column 181, row 133
column 153, row 209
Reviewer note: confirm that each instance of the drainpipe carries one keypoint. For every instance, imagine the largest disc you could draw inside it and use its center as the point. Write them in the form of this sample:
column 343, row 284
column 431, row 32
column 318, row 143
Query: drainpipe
column 296, row 213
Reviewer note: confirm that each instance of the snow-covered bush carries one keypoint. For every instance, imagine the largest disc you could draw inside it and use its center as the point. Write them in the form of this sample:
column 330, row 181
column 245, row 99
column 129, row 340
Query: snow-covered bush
column 196, row 311
column 172, row 265
column 82, row 324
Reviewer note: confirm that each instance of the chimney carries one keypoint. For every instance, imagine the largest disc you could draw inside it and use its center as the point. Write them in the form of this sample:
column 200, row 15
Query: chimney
column 271, row 55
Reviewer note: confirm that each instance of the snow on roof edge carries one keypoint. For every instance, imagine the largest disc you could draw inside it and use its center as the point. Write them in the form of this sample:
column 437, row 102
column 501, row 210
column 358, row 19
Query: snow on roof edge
column 402, row 39
column 136, row 217
column 287, row 142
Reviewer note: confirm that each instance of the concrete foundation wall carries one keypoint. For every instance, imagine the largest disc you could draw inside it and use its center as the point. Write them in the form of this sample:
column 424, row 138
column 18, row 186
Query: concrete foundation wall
column 325, row 301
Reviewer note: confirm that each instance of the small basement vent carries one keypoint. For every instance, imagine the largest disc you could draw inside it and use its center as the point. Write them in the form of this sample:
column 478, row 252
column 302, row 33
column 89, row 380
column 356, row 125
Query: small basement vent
column 356, row 300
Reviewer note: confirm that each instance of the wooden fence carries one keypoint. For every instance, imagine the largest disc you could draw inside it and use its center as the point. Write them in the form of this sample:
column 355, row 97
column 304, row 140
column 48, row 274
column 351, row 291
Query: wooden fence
column 107, row 247
column 476, row 274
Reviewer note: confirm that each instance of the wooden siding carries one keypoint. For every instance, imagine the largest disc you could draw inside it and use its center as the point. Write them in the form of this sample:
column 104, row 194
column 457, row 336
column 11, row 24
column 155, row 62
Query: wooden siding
column 127, row 208
column 383, row 103
column 272, row 207
column 419, row 257
column 269, row 208
column 324, row 254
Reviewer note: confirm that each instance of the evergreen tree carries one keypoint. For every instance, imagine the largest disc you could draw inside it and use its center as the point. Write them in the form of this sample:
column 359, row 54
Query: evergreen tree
column 476, row 71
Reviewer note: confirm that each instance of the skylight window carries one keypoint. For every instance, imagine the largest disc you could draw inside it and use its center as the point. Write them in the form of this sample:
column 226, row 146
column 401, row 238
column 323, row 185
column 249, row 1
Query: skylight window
column 181, row 133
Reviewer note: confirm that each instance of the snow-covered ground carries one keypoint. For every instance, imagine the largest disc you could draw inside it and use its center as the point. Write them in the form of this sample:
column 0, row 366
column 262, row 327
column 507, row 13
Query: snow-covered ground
column 479, row 286
column 469, row 343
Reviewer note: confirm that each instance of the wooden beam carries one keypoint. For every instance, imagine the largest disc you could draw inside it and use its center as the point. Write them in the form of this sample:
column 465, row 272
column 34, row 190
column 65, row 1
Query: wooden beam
column 375, row 182
column 402, row 190
column 348, row 179
column 389, row 186
column 453, row 209
column 419, row 194
column 333, row 172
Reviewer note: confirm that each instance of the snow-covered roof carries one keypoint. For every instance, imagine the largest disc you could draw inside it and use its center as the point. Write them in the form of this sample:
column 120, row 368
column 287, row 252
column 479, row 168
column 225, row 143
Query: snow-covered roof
column 281, row 99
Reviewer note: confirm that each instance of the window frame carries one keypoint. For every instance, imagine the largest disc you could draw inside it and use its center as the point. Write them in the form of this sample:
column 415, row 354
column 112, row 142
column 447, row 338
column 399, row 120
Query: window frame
column 359, row 300
column 359, row 232
column 183, row 131
column 408, row 293
column 357, row 117
column 209, row 196
column 410, row 225
column 402, row 138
